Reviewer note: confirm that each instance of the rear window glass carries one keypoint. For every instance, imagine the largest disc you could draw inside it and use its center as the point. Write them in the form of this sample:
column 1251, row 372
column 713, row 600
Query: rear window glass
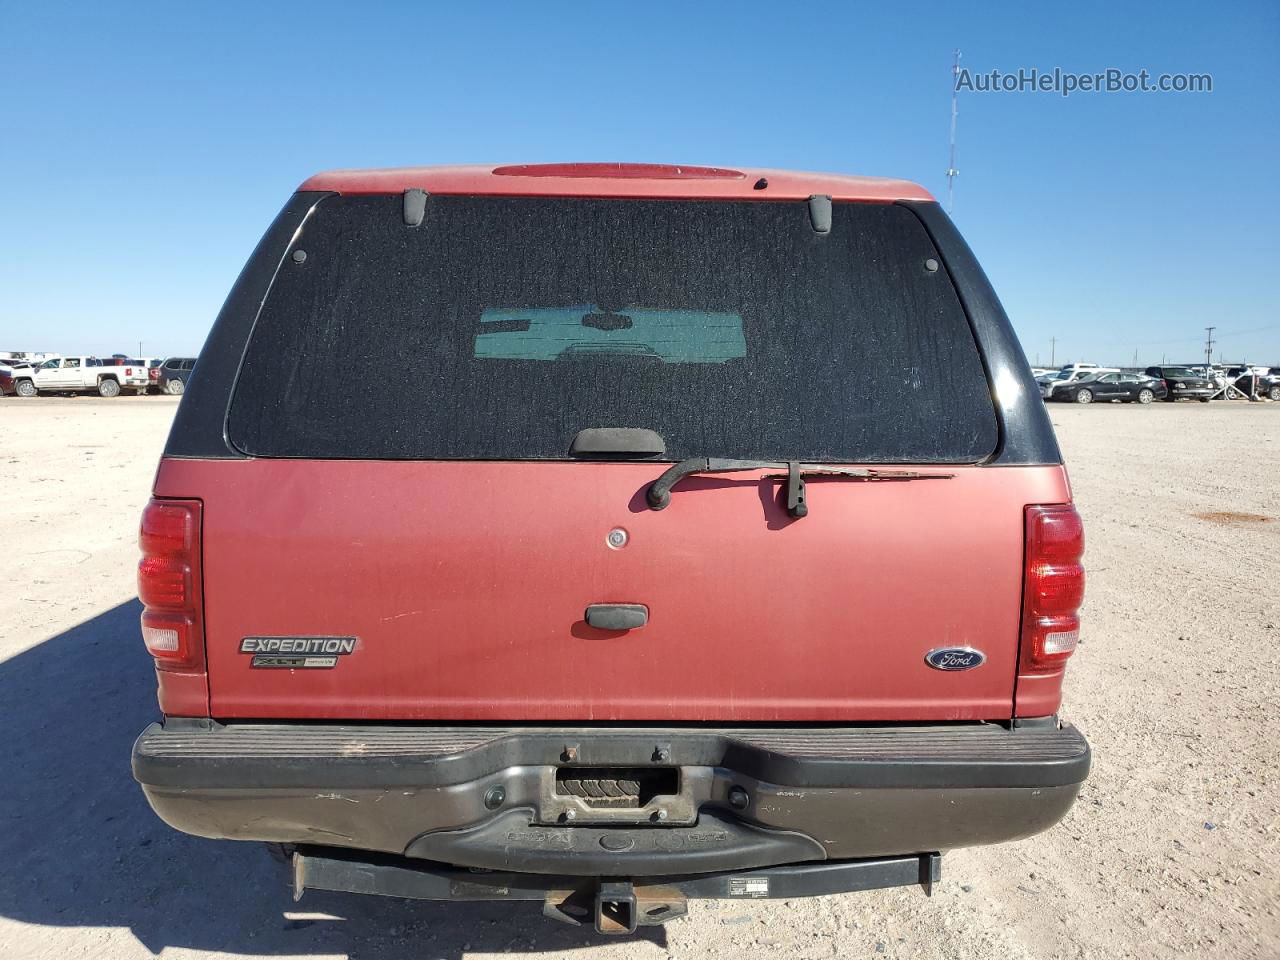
column 500, row 327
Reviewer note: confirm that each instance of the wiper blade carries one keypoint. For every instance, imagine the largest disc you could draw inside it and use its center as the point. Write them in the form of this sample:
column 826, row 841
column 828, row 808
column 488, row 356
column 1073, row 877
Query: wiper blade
column 659, row 493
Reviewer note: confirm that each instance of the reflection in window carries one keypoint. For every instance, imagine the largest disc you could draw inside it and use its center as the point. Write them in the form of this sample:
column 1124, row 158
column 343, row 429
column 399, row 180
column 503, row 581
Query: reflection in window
column 582, row 332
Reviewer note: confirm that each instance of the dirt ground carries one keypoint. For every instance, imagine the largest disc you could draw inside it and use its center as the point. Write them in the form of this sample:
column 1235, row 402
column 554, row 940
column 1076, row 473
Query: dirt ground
column 1172, row 851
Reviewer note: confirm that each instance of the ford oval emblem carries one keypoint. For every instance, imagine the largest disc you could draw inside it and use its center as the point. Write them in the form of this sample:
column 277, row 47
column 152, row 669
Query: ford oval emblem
column 955, row 658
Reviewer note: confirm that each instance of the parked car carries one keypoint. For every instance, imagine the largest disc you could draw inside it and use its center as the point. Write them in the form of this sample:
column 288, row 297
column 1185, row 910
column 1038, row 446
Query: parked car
column 10, row 371
column 634, row 578
column 1073, row 371
column 1070, row 374
column 137, row 374
column 1259, row 368
column 174, row 374
column 80, row 374
column 1262, row 381
column 1107, row 387
column 12, row 365
column 1183, row 383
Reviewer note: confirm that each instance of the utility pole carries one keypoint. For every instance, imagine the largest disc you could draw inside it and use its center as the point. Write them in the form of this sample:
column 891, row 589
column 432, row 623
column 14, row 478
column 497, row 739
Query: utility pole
column 1053, row 349
column 952, row 172
column 1208, row 348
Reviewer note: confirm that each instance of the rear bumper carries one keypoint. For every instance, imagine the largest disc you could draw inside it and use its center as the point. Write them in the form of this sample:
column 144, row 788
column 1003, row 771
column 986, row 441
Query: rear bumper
column 488, row 798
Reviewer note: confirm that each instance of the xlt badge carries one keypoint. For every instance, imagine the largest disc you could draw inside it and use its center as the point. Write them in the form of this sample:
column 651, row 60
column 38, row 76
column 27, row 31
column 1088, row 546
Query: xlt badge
column 297, row 653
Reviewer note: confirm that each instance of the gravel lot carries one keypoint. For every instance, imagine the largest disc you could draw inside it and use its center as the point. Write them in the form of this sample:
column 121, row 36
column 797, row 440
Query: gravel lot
column 1172, row 851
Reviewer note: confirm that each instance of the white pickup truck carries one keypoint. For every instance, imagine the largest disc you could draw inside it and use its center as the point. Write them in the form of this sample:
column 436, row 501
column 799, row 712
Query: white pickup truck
column 82, row 374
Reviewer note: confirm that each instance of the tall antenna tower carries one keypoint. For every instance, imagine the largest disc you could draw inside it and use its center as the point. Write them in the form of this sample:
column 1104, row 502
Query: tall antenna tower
column 952, row 172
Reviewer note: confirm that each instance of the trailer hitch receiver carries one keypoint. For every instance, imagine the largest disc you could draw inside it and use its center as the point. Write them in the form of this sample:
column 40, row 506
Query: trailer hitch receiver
column 616, row 906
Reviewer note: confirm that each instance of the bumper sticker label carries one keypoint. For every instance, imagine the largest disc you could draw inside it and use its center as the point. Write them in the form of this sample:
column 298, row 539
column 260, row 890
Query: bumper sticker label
column 748, row 886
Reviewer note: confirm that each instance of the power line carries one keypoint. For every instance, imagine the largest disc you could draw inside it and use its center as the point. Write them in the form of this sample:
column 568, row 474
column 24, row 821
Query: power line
column 1225, row 335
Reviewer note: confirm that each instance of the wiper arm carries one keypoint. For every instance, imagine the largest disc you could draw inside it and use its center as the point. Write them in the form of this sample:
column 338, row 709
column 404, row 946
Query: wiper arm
column 659, row 493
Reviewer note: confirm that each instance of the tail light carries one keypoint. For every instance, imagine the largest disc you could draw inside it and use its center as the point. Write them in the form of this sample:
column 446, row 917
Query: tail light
column 169, row 584
column 1054, row 588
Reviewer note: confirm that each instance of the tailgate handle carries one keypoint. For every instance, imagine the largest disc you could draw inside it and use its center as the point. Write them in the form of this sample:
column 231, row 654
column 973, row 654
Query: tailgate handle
column 617, row 616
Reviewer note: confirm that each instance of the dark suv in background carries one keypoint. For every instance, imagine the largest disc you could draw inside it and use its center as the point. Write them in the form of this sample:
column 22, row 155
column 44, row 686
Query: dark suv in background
column 1183, row 383
column 174, row 374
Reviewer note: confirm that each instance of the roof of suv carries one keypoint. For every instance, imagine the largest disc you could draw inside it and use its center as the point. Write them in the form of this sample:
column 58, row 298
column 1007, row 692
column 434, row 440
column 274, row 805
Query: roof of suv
column 618, row 180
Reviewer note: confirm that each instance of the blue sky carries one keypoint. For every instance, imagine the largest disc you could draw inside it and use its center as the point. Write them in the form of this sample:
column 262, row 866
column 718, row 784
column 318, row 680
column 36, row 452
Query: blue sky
column 145, row 148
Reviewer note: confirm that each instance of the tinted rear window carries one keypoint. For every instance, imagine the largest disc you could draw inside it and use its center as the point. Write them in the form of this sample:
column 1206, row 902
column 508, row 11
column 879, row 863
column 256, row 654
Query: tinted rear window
column 501, row 327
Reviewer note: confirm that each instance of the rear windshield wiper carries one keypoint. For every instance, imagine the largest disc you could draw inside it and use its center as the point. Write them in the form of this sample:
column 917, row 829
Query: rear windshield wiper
column 659, row 494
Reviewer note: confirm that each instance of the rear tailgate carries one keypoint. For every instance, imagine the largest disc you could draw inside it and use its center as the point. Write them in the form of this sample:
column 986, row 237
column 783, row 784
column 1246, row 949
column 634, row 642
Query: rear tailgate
column 431, row 512
column 466, row 599
column 136, row 375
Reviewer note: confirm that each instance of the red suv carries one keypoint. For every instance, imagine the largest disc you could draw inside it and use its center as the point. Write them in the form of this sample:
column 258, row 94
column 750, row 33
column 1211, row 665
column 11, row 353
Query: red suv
column 715, row 543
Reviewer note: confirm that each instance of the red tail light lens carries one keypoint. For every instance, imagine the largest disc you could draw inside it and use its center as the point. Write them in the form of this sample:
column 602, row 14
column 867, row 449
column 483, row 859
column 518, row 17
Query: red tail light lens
column 1054, row 587
column 169, row 583
column 164, row 583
